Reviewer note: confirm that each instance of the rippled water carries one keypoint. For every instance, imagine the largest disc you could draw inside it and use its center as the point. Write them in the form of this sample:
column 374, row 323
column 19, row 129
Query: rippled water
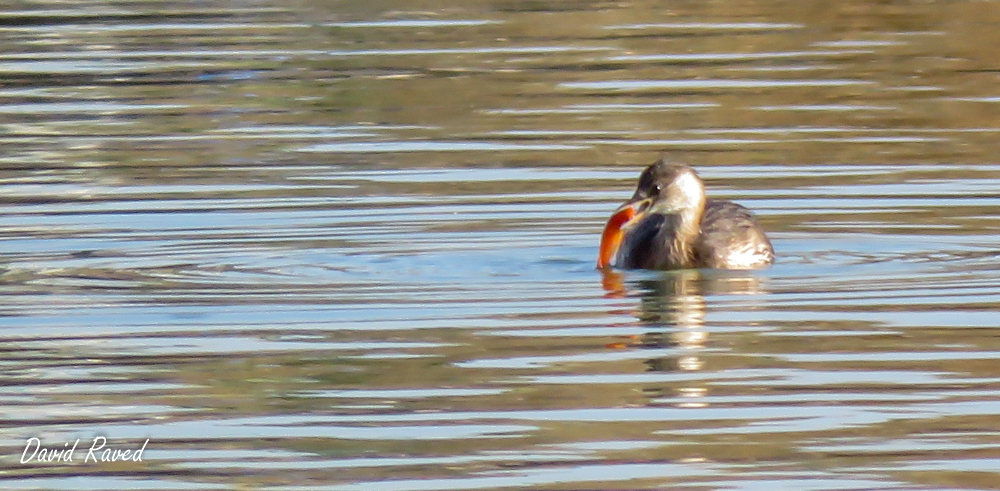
column 303, row 246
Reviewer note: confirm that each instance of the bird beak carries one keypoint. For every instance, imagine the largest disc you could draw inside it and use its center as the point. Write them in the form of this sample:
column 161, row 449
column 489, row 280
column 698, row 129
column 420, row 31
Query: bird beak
column 613, row 234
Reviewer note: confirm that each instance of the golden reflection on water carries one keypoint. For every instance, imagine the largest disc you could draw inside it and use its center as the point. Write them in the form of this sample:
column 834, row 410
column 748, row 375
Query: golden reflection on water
column 672, row 307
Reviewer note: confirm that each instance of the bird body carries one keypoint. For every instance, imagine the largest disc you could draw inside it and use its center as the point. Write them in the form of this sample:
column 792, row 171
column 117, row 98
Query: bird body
column 669, row 224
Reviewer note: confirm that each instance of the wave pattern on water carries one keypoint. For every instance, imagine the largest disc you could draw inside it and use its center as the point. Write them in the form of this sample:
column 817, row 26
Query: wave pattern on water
column 300, row 248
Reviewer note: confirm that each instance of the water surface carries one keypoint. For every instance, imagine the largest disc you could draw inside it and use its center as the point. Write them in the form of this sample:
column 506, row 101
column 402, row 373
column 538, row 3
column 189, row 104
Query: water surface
column 302, row 246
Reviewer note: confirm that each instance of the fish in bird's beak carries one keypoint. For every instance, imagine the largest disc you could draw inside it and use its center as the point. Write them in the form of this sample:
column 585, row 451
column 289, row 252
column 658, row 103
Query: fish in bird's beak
column 616, row 228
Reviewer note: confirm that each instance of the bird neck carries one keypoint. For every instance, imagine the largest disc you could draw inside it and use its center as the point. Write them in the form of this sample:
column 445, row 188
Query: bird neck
column 685, row 226
column 689, row 222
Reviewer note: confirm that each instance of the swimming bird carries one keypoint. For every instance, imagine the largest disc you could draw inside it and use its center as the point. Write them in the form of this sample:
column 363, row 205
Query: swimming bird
column 669, row 224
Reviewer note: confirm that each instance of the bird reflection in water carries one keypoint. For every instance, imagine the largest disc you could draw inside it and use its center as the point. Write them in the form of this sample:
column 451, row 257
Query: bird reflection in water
column 672, row 307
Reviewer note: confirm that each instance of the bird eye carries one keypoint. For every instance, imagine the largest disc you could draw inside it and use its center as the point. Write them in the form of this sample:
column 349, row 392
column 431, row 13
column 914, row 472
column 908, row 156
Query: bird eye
column 656, row 189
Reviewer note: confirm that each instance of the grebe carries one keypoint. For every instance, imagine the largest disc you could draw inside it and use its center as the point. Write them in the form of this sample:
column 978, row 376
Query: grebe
column 669, row 224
